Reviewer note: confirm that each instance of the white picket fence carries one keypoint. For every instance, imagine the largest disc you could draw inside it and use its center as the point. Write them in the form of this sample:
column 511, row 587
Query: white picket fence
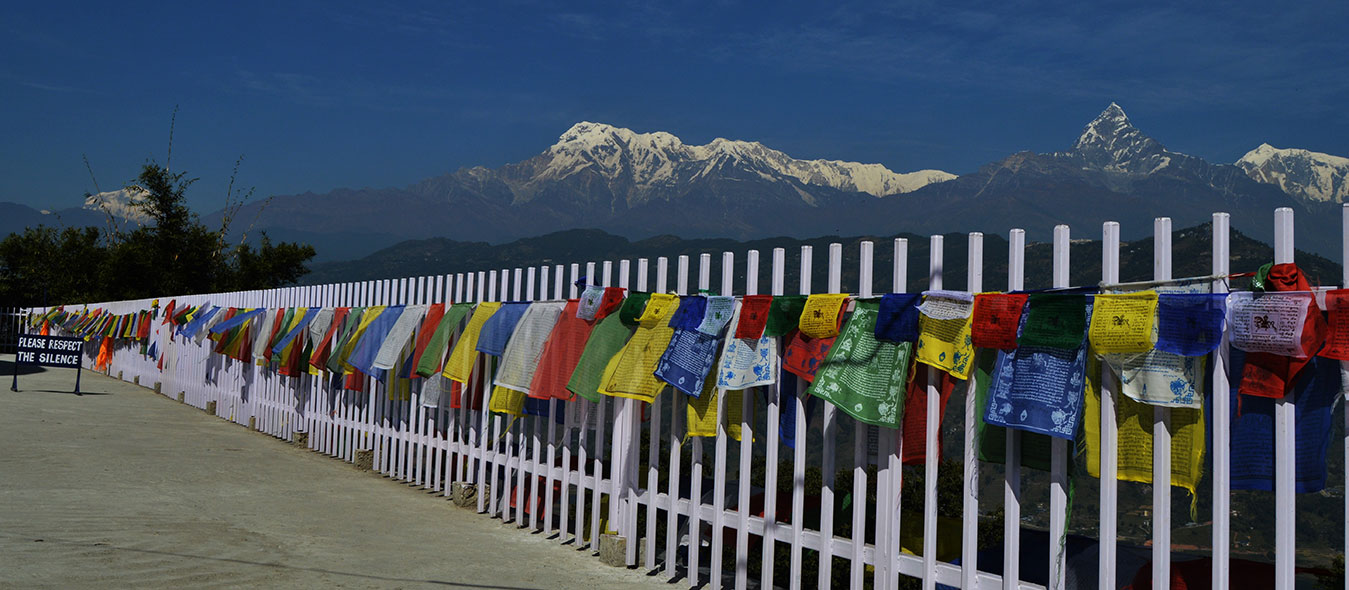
column 588, row 465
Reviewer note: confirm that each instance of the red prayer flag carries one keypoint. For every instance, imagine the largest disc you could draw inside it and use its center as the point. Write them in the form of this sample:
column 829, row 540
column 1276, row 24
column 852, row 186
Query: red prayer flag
column 915, row 413
column 609, row 303
column 424, row 333
column 1271, row 375
column 1337, row 340
column 319, row 358
column 804, row 354
column 995, row 319
column 560, row 355
column 753, row 317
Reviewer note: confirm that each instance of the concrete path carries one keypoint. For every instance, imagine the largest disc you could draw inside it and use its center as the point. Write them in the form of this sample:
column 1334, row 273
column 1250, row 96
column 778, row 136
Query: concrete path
column 123, row 488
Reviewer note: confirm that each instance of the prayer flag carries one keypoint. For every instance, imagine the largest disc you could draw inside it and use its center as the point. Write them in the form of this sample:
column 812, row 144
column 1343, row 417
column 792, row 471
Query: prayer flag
column 633, row 307
column 634, row 374
column 521, row 357
column 753, row 316
column 1122, row 323
column 718, row 315
column 747, row 363
column 605, row 342
column 1252, row 433
column 804, row 354
column 1190, row 324
column 560, row 354
column 784, row 315
column 433, row 358
column 1134, row 423
column 863, row 376
column 944, row 339
column 995, row 319
column 702, row 411
column 1039, row 388
column 690, row 314
column 498, row 329
column 434, row 313
column 914, row 440
column 822, row 315
column 898, row 317
column 688, row 360
column 460, row 365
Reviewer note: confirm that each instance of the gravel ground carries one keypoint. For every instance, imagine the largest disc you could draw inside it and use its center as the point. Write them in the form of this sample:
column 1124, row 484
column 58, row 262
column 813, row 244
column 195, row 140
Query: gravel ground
column 123, row 488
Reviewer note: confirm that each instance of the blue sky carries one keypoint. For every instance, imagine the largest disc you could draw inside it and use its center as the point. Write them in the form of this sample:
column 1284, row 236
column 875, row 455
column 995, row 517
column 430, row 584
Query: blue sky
column 320, row 95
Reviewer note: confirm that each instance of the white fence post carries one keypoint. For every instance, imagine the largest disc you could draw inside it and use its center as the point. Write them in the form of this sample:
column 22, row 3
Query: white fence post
column 969, row 537
column 1285, row 440
column 1011, row 532
column 936, row 262
column 1109, row 443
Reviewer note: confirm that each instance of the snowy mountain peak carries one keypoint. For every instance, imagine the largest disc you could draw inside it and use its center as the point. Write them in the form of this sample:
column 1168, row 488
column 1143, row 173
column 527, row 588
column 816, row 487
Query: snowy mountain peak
column 660, row 159
column 1308, row 175
column 1114, row 113
column 121, row 203
column 1111, row 142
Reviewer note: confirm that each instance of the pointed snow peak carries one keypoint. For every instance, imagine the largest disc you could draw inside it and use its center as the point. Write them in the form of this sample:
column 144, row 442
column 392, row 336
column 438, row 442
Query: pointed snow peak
column 1114, row 113
column 1112, row 123
column 1110, row 141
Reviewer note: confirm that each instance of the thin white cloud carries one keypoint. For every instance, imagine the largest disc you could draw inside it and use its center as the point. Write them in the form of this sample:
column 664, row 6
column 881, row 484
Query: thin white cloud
column 57, row 88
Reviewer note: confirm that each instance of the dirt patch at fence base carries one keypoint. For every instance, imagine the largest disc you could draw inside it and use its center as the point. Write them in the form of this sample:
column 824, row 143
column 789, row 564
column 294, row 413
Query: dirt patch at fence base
column 129, row 489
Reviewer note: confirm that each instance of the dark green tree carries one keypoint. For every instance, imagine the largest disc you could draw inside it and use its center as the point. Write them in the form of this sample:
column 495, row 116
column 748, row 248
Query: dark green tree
column 173, row 253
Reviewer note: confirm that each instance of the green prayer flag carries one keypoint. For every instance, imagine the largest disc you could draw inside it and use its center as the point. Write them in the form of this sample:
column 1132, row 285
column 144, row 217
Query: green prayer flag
column 632, row 308
column 440, row 339
column 863, row 376
column 1258, row 281
column 348, row 328
column 281, row 330
column 606, row 340
column 784, row 315
column 1056, row 320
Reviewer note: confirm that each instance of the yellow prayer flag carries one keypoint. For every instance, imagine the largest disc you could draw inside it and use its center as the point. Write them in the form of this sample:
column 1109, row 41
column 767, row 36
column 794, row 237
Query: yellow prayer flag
column 631, row 372
column 702, row 413
column 658, row 309
column 946, row 344
column 1134, row 424
column 507, row 401
column 819, row 319
column 633, row 368
column 1122, row 323
column 608, row 373
column 465, row 352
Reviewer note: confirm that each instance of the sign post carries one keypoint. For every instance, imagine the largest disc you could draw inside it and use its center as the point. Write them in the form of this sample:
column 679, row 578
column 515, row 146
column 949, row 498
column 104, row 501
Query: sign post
column 48, row 351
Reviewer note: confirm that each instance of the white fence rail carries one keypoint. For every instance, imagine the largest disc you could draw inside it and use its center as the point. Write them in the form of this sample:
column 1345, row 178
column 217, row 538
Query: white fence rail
column 720, row 519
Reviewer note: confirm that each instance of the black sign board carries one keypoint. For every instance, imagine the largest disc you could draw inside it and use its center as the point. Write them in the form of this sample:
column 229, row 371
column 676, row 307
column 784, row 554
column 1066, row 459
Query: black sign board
column 48, row 351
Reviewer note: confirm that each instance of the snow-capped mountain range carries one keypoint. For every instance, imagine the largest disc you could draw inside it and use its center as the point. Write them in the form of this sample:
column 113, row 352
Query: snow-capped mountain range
column 1312, row 176
column 640, row 184
column 660, row 159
